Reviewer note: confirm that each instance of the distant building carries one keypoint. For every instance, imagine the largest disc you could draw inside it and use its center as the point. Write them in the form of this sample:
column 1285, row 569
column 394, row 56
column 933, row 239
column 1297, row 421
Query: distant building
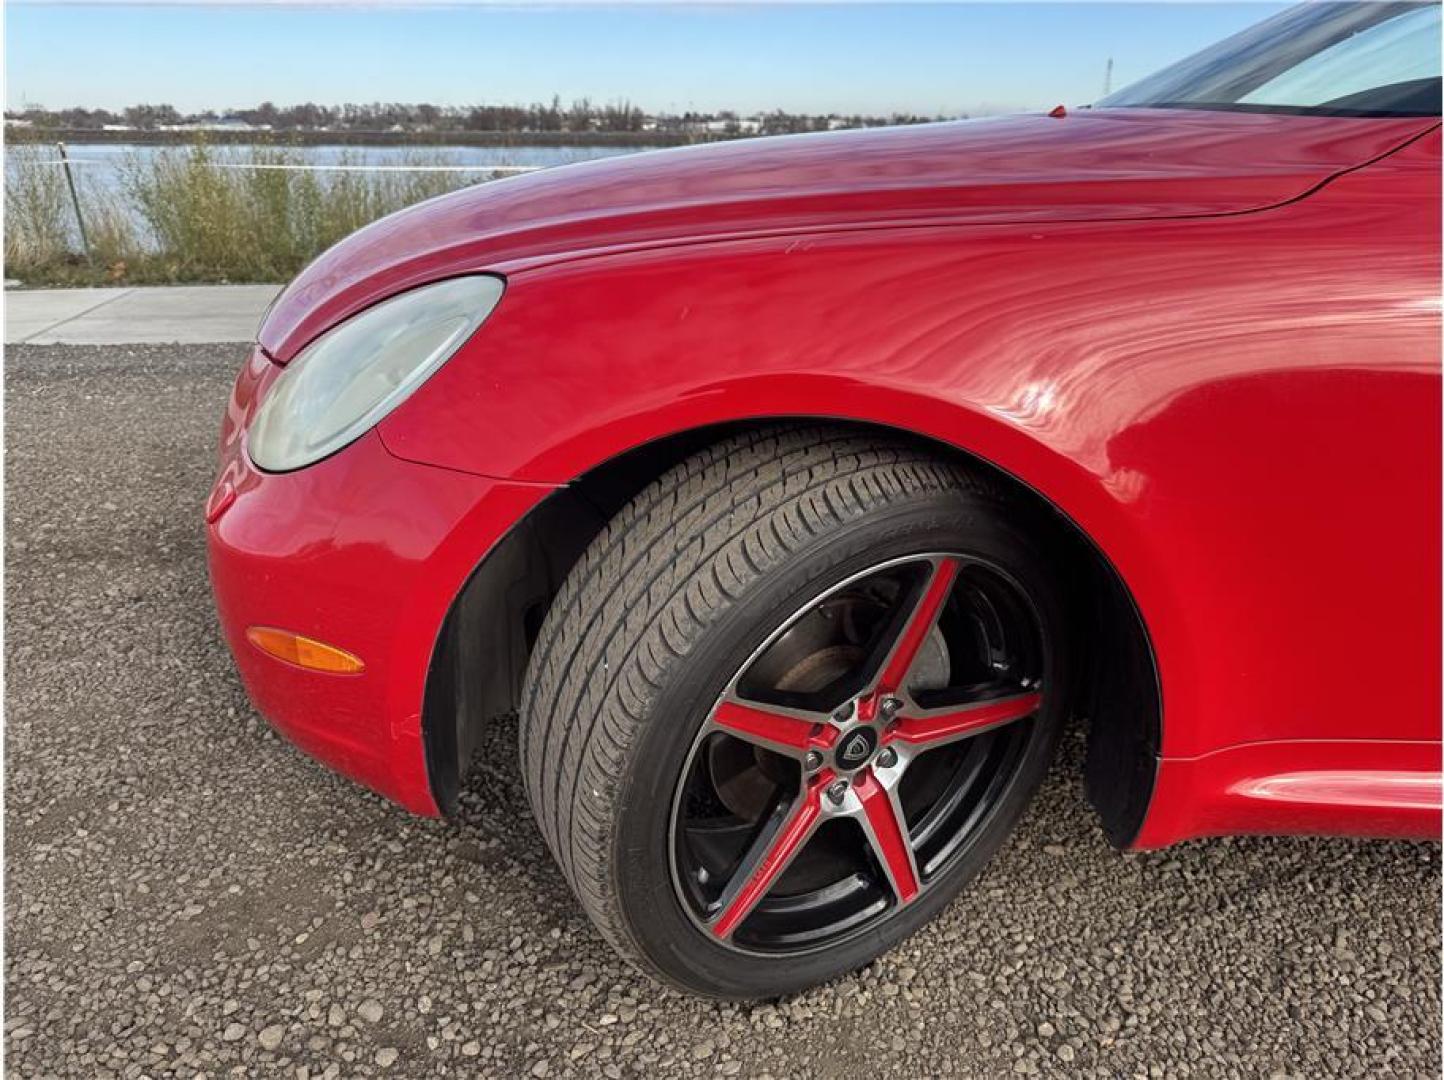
column 225, row 123
column 723, row 127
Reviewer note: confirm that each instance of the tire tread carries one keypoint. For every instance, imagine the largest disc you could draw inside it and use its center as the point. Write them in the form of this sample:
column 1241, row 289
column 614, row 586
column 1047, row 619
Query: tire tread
column 683, row 551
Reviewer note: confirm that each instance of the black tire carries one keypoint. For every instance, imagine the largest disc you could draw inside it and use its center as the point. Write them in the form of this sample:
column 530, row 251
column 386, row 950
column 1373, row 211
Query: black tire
column 671, row 600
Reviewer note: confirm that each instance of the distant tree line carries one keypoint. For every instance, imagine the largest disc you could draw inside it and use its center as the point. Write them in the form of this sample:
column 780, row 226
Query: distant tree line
column 580, row 116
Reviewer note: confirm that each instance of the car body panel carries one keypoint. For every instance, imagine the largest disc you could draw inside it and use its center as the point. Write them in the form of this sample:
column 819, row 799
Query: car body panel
column 1116, row 163
column 1349, row 787
column 362, row 551
column 1240, row 410
column 1224, row 406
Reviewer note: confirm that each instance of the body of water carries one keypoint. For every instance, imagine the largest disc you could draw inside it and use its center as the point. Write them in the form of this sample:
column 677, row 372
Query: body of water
column 102, row 163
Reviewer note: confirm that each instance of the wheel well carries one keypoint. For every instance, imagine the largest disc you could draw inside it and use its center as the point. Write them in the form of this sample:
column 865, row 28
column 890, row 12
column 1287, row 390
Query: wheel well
column 480, row 659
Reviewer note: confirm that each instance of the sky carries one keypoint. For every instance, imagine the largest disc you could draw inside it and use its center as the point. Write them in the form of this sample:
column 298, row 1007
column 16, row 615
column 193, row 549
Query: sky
column 933, row 59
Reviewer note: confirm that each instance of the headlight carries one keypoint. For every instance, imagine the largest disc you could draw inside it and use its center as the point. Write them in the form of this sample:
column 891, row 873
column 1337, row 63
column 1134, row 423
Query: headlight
column 348, row 379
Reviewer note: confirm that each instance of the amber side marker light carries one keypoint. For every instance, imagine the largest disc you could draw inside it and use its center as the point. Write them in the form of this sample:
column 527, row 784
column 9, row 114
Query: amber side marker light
column 304, row 652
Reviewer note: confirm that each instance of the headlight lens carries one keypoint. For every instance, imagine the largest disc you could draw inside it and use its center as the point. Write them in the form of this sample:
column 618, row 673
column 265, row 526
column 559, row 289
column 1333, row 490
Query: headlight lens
column 349, row 378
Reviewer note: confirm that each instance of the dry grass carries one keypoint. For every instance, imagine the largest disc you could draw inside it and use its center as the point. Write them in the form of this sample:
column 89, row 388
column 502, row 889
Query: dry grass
column 196, row 213
column 38, row 216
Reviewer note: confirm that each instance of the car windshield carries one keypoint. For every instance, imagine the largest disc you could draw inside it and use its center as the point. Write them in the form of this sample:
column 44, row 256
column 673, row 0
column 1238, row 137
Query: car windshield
column 1327, row 59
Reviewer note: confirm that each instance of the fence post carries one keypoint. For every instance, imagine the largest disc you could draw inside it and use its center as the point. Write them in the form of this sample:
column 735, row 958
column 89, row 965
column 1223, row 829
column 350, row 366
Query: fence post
column 75, row 201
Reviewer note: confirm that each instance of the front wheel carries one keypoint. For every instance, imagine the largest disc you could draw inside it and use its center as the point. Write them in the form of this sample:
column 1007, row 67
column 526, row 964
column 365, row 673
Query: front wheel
column 788, row 703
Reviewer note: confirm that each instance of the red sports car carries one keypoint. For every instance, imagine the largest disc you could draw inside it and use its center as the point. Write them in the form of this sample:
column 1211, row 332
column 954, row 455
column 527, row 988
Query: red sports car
column 797, row 492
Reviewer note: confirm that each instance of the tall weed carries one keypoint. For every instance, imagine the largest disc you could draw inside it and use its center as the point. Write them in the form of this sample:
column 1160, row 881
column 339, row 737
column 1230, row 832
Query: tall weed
column 199, row 213
column 39, row 219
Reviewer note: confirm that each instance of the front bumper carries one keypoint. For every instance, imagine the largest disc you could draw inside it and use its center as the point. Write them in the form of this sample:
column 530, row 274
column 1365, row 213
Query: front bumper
column 363, row 551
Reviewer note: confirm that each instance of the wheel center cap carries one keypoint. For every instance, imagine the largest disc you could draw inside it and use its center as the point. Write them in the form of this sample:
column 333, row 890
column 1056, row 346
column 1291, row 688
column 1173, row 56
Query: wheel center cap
column 856, row 747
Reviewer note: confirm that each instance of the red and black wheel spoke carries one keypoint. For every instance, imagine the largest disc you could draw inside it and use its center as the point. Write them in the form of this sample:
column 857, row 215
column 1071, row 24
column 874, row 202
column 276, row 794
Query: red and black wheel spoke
column 928, row 728
column 918, row 622
column 770, row 854
column 888, row 831
column 856, row 753
column 782, row 732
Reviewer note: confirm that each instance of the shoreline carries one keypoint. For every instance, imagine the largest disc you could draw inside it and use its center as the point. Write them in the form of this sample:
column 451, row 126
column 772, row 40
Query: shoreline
column 628, row 139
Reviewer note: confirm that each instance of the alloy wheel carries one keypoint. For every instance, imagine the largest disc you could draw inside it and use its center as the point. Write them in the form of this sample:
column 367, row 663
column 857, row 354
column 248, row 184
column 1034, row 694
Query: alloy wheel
column 856, row 754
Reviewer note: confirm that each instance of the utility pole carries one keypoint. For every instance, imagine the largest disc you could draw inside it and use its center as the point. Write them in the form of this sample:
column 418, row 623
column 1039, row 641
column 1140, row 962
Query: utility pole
column 1108, row 77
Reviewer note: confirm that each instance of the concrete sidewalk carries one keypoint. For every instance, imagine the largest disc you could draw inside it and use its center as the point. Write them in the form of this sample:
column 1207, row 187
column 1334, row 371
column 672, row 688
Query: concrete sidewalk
column 184, row 314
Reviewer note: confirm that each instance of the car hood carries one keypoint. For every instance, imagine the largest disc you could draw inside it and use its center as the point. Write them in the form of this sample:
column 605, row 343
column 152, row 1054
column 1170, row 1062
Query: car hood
column 1085, row 165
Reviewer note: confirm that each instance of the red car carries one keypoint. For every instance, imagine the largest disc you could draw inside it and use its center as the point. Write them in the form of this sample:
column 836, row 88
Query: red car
column 798, row 492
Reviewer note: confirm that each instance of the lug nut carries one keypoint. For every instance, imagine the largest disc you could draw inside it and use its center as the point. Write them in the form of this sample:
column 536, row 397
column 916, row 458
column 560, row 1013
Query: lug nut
column 843, row 713
column 837, row 791
column 887, row 759
column 890, row 705
column 813, row 761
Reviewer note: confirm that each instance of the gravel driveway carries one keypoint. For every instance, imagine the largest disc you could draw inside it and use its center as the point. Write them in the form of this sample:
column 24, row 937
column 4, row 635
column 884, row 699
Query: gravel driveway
column 185, row 893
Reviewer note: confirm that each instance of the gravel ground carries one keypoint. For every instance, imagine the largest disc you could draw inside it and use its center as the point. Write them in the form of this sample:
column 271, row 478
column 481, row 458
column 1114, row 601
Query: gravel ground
column 185, row 893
